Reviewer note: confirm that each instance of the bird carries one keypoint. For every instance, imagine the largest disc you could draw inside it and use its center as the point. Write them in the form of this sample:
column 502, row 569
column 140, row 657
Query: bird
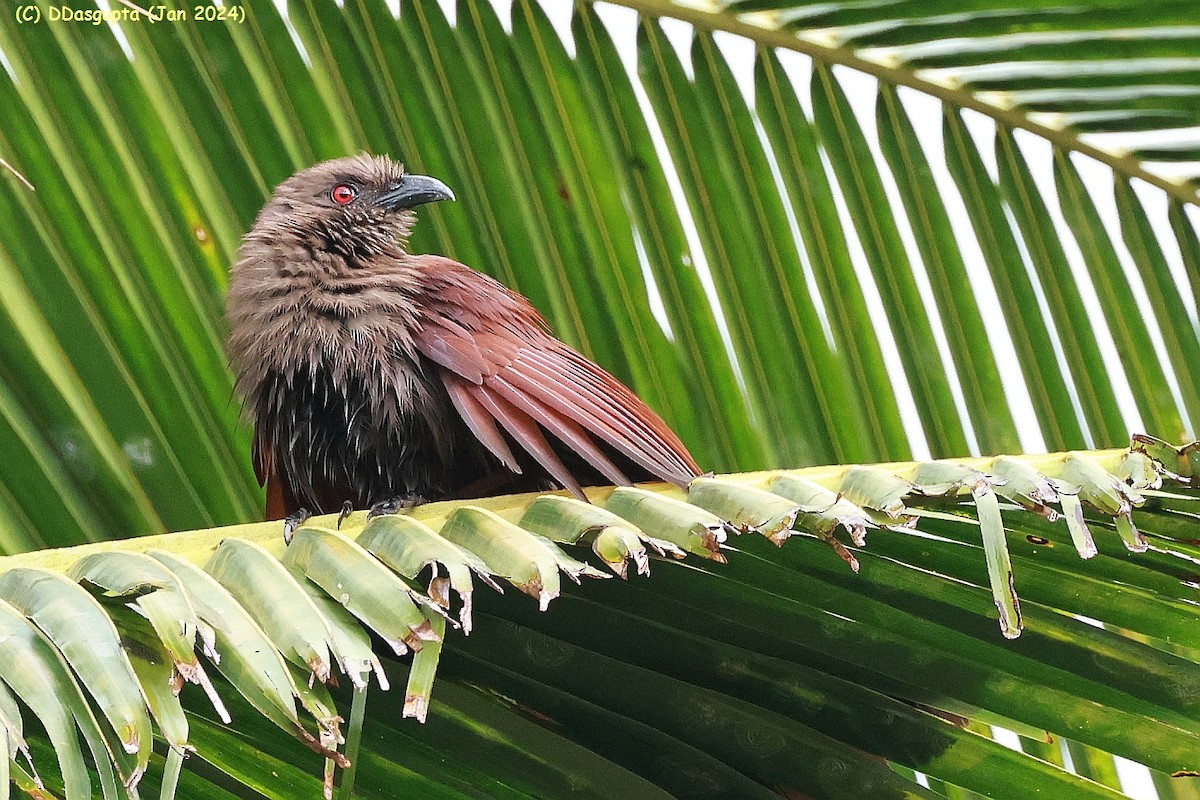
column 378, row 378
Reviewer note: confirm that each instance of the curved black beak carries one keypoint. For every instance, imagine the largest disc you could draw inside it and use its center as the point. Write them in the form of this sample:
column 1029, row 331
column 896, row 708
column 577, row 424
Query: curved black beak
column 415, row 190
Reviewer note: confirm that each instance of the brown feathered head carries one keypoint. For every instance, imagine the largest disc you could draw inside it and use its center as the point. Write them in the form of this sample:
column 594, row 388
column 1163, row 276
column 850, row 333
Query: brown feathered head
column 354, row 207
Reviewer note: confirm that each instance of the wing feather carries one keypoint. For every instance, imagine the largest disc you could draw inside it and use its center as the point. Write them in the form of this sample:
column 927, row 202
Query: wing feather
column 563, row 429
column 452, row 346
column 479, row 420
column 625, row 435
column 527, row 434
column 500, row 365
column 601, row 403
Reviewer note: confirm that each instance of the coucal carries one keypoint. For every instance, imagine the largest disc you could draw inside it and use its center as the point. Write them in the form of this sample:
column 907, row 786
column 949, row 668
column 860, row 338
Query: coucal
column 377, row 377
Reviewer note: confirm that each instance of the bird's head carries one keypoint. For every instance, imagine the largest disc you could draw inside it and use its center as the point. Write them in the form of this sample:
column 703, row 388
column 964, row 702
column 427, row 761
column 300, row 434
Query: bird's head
column 353, row 207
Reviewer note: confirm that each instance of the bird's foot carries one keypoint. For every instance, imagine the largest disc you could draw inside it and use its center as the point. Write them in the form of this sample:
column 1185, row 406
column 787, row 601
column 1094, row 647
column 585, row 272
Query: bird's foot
column 293, row 521
column 395, row 505
column 347, row 510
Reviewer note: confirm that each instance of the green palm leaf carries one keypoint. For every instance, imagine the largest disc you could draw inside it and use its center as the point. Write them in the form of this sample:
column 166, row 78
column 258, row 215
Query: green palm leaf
column 791, row 275
column 757, row 665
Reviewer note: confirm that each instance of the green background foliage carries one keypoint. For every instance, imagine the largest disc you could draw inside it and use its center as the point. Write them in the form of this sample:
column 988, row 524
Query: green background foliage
column 773, row 348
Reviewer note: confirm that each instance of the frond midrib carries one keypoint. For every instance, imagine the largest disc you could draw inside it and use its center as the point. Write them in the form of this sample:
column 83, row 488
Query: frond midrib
column 1065, row 138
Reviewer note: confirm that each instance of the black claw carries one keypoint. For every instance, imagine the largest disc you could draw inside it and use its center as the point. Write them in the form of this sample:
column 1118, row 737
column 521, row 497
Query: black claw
column 347, row 510
column 293, row 521
column 395, row 505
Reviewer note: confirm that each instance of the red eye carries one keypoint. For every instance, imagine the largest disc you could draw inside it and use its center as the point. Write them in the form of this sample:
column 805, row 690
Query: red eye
column 343, row 193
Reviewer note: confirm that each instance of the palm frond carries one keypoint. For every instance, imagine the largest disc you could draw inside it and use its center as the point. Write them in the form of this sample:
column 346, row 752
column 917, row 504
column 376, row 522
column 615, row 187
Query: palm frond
column 117, row 637
column 582, row 218
column 988, row 243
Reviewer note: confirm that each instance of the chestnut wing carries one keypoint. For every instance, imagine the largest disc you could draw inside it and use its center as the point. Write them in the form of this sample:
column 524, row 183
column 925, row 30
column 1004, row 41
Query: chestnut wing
column 506, row 375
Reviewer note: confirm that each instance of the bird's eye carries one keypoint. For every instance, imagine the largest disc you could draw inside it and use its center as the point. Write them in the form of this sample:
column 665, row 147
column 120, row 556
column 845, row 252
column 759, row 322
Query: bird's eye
column 344, row 193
